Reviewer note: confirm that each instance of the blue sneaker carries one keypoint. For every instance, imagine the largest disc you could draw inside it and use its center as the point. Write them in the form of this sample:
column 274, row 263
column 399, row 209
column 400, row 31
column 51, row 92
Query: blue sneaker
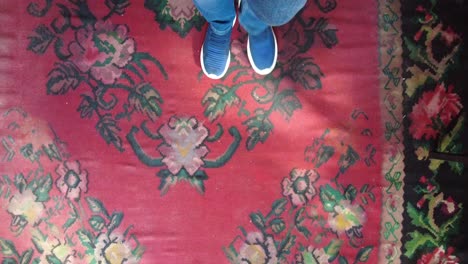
column 262, row 51
column 215, row 55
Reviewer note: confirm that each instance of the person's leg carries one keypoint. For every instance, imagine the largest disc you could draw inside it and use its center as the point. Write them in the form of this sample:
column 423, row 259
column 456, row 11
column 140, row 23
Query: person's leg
column 215, row 53
column 275, row 12
column 218, row 13
column 257, row 17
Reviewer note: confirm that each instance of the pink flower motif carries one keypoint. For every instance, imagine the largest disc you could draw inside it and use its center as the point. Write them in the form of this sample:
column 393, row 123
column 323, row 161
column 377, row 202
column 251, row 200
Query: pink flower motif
column 182, row 147
column 449, row 206
column 72, row 179
column 300, row 188
column 422, row 153
column 181, row 10
column 421, row 202
column 258, row 249
column 439, row 256
column 102, row 50
column 434, row 109
column 423, row 179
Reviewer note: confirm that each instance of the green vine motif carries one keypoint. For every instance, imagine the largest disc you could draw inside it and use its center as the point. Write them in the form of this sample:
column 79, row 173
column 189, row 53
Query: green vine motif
column 183, row 151
column 433, row 234
column 35, row 10
column 80, row 236
column 272, row 93
column 332, row 214
column 433, row 53
column 48, row 203
column 288, row 228
column 118, row 67
column 295, row 224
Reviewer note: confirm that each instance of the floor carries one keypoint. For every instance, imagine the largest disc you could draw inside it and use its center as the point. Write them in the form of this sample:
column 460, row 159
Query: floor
column 115, row 148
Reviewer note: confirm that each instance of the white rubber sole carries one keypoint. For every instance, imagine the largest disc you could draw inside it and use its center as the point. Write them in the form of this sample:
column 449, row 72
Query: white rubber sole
column 252, row 63
column 213, row 76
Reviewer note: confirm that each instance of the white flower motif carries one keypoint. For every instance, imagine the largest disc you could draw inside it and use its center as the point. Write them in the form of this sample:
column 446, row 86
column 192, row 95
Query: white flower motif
column 25, row 205
column 113, row 249
column 258, row 249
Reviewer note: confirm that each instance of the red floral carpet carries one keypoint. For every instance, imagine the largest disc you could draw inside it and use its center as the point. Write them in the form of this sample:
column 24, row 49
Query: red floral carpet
column 116, row 149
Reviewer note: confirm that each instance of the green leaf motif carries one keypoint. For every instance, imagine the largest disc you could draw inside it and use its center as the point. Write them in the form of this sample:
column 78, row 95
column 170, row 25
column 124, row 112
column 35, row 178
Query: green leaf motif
column 305, row 72
column 51, row 259
column 303, row 230
column 451, row 226
column 87, row 107
column 62, row 78
column 329, row 37
column 350, row 193
column 417, row 217
column 26, row 257
column 20, row 182
column 167, row 180
column 97, row 222
column 456, row 167
column 278, row 206
column 9, row 261
column 109, row 130
column 145, row 99
column 41, row 40
column 217, row 99
column 259, row 128
column 44, row 185
column 70, row 221
column 309, row 258
column 286, row 244
column 364, row 188
column 417, row 241
column 324, row 154
column 287, row 103
column 333, row 249
column 86, row 239
column 230, row 253
column 197, row 180
column 115, row 221
column 8, row 248
column 139, row 57
column 96, row 206
column 117, row 6
column 258, row 220
column 277, row 225
column 348, row 159
column 342, row 260
column 329, row 197
column 364, row 253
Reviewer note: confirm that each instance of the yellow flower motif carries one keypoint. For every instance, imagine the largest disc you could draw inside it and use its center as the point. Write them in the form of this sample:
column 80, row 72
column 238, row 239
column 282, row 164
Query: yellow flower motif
column 346, row 217
column 64, row 253
column 53, row 247
column 24, row 204
column 113, row 249
column 422, row 153
column 258, row 249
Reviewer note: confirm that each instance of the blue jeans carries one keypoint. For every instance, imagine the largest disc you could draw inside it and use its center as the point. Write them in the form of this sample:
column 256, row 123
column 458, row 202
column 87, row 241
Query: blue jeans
column 255, row 15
